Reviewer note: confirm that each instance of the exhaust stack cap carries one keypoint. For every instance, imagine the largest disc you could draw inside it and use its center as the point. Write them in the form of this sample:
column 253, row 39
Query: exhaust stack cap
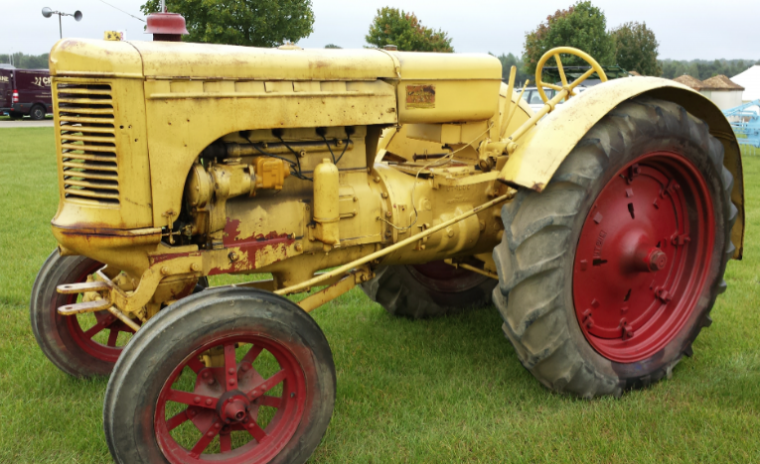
column 166, row 27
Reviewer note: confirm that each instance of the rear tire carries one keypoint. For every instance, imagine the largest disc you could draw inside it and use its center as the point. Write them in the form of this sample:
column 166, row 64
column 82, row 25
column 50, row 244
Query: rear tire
column 428, row 290
column 555, row 301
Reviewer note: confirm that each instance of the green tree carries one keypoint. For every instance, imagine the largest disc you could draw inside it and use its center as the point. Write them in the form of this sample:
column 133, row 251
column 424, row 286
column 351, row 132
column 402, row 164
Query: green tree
column 636, row 49
column 258, row 23
column 332, row 46
column 509, row 60
column 582, row 26
column 392, row 26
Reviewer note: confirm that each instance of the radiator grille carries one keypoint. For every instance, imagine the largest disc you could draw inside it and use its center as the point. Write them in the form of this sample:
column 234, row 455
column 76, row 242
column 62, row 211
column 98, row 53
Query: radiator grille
column 88, row 142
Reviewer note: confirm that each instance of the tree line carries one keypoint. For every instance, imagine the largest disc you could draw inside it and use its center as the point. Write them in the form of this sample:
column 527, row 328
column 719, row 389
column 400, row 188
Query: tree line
column 267, row 23
column 23, row 61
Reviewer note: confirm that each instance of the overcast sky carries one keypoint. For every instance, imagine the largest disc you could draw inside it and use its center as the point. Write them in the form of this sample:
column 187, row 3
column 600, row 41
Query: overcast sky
column 686, row 29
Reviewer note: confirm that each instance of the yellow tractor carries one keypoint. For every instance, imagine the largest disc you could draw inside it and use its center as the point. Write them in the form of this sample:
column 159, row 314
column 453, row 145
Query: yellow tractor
column 600, row 231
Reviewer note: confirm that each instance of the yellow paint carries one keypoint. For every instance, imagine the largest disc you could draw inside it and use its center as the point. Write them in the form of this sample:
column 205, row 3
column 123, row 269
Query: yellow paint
column 220, row 160
column 326, row 202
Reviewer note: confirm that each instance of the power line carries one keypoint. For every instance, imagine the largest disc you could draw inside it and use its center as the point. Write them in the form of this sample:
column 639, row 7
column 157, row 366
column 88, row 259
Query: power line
column 139, row 19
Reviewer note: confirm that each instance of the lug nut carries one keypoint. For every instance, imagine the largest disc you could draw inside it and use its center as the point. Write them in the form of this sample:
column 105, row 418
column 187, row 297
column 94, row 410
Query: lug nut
column 656, row 260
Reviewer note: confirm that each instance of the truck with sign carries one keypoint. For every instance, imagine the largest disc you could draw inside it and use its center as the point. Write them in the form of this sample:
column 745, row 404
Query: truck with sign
column 25, row 92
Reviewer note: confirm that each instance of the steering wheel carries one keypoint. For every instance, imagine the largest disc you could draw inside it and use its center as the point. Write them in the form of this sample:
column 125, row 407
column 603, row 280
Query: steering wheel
column 555, row 52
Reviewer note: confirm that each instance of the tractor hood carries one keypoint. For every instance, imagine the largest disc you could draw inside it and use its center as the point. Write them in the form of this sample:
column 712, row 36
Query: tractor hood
column 143, row 59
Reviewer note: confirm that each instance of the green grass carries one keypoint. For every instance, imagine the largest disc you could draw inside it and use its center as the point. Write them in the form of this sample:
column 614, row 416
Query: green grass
column 445, row 390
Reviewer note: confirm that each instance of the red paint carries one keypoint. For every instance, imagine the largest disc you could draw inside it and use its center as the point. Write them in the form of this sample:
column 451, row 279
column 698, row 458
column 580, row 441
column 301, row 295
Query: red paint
column 228, row 399
column 643, row 253
column 166, row 27
column 246, row 248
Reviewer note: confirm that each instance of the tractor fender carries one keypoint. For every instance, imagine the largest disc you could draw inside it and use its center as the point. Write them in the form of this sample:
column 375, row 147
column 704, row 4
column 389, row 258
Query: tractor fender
column 543, row 148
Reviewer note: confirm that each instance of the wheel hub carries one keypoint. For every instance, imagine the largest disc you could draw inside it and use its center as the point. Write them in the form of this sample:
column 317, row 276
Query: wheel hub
column 233, row 407
column 639, row 264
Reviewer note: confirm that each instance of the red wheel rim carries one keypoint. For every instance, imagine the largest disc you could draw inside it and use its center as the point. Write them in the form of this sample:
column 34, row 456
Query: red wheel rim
column 642, row 258
column 86, row 332
column 217, row 413
column 444, row 278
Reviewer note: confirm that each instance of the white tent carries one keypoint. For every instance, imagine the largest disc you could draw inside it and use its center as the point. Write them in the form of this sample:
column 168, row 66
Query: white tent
column 750, row 80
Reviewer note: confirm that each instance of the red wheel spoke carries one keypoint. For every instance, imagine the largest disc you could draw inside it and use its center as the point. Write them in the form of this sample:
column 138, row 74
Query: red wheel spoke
column 196, row 365
column 256, row 432
column 271, row 401
column 113, row 334
column 252, row 354
column 230, row 367
column 203, row 443
column 191, row 399
column 225, row 443
column 216, row 411
column 95, row 329
column 178, row 419
column 267, row 385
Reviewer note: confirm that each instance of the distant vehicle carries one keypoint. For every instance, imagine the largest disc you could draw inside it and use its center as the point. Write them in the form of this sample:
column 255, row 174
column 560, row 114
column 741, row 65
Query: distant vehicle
column 25, row 92
column 533, row 98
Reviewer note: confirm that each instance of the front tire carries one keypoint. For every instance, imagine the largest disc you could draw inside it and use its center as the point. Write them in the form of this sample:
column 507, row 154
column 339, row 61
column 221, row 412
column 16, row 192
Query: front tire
column 227, row 375
column 608, row 276
column 84, row 345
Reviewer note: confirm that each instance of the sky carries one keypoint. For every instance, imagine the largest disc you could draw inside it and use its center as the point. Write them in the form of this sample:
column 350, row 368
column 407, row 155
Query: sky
column 685, row 29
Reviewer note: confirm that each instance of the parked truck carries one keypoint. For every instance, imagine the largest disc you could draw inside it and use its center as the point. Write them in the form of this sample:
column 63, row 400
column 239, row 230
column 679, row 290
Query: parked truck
column 25, row 92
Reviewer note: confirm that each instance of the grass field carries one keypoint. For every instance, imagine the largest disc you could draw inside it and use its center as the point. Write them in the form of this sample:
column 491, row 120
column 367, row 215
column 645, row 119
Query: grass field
column 445, row 390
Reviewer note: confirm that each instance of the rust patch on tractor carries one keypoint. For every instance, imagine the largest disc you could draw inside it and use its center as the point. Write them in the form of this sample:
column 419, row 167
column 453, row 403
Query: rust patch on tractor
column 420, row 96
column 231, row 231
column 252, row 252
